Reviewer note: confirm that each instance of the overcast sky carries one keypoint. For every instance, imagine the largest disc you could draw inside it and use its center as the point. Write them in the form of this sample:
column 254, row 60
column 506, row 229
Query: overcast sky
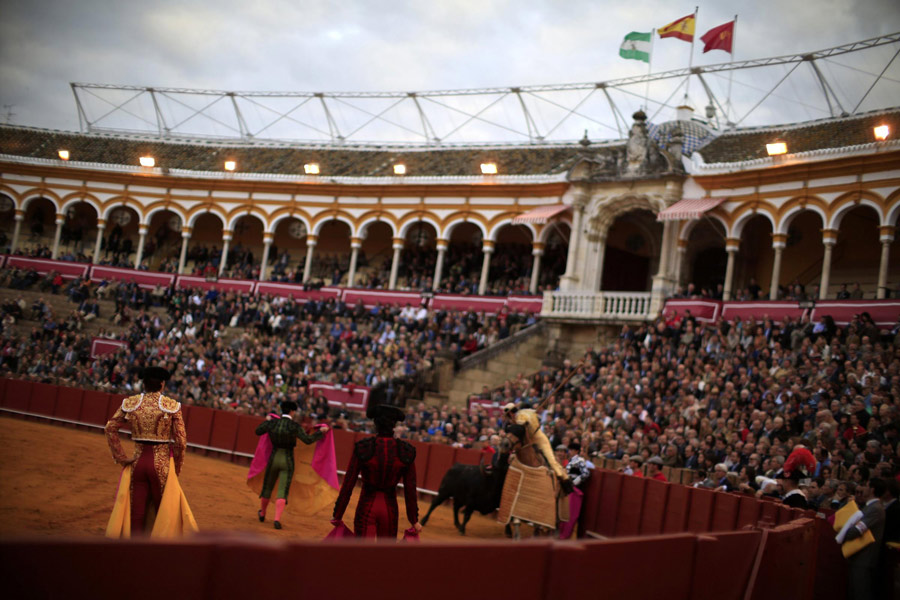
column 403, row 45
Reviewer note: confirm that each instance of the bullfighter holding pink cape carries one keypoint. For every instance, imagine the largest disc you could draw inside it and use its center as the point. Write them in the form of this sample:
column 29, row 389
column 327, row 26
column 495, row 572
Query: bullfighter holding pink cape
column 305, row 473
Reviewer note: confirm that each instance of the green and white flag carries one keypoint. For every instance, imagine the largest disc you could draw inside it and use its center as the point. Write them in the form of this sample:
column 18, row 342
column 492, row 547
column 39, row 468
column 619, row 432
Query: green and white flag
column 636, row 46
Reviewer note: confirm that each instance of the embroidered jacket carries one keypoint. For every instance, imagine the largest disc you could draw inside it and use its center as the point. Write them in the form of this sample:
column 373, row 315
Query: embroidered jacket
column 151, row 418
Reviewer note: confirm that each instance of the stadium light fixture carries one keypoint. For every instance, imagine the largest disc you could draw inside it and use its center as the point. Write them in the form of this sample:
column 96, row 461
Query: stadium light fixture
column 882, row 132
column 230, row 165
column 399, row 169
column 311, row 168
column 776, row 147
column 64, row 154
column 147, row 161
column 489, row 168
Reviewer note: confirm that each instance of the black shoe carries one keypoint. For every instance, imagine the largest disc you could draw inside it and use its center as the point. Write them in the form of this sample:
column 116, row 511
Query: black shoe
column 277, row 524
column 261, row 516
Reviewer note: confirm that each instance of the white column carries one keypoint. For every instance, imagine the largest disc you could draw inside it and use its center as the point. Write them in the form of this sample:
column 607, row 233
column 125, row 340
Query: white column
column 570, row 279
column 355, row 245
column 142, row 232
column 439, row 265
column 395, row 263
column 185, row 237
column 731, row 247
column 537, row 251
column 887, row 237
column 778, row 243
column 679, row 261
column 487, row 249
column 60, row 219
column 267, row 245
column 226, row 242
column 20, row 216
column 101, row 227
column 311, row 241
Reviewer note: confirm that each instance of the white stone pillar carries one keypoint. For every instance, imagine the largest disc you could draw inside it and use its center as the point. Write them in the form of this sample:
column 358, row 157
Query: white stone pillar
column 267, row 245
column 311, row 241
column 778, row 243
column 679, row 261
column 101, row 227
column 17, row 229
column 537, row 251
column 142, row 233
column 829, row 239
column 439, row 266
column 570, row 280
column 487, row 249
column 395, row 263
column 731, row 247
column 185, row 237
column 887, row 238
column 355, row 245
column 60, row 219
column 226, row 242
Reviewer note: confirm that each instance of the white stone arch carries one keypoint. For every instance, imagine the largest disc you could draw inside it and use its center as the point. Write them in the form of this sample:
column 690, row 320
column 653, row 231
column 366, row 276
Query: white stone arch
column 404, row 229
column 361, row 230
column 741, row 222
column 445, row 235
column 123, row 202
column 247, row 213
column 847, row 207
column 38, row 195
column 685, row 233
column 509, row 221
column 605, row 210
column 193, row 218
column 282, row 217
column 551, row 227
column 148, row 218
column 893, row 215
column 792, row 213
column 318, row 227
column 78, row 199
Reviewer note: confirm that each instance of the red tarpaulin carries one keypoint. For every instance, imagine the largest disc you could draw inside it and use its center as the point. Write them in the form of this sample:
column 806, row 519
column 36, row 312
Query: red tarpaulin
column 525, row 304
column 296, row 291
column 101, row 346
column 883, row 312
column 474, row 303
column 705, row 311
column 386, row 298
column 354, row 397
column 68, row 270
column 145, row 279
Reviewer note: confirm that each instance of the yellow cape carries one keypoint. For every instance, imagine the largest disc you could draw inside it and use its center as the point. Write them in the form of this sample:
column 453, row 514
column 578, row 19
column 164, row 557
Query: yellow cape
column 174, row 518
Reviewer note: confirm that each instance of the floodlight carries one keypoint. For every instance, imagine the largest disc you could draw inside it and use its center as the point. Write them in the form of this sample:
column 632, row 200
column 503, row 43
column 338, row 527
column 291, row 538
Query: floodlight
column 489, row 168
column 64, row 154
column 399, row 169
column 230, row 165
column 147, row 161
column 881, row 132
column 776, row 147
column 311, row 168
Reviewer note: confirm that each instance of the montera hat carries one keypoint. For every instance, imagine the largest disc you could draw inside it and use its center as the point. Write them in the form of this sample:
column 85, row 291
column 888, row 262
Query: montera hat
column 155, row 373
column 390, row 412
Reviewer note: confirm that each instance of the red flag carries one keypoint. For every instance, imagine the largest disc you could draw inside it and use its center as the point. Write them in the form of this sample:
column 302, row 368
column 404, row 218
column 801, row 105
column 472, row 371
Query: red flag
column 719, row 38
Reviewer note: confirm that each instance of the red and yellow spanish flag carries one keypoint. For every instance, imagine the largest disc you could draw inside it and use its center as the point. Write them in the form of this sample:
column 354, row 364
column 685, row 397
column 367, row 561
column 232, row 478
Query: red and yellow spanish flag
column 683, row 29
column 719, row 38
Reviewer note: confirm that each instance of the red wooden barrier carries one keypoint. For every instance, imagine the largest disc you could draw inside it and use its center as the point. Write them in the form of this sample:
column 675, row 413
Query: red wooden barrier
column 748, row 512
column 787, row 559
column 723, row 564
column 94, row 407
column 343, row 448
column 769, row 512
column 590, row 506
column 18, row 394
column 784, row 514
column 831, row 566
column 247, row 439
column 113, row 404
column 676, row 509
column 3, row 383
column 633, row 568
column 422, row 451
column 700, row 511
column 223, row 433
column 631, row 503
column 725, row 511
column 466, row 456
column 440, row 458
column 609, row 502
column 654, row 507
column 201, row 425
column 43, row 399
column 68, row 403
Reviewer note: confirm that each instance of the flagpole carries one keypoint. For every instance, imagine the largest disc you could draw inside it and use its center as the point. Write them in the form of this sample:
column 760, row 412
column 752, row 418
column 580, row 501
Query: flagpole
column 691, row 58
column 731, row 73
column 649, row 72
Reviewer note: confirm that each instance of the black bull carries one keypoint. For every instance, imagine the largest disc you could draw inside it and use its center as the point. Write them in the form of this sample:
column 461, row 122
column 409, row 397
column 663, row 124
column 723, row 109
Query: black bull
column 473, row 488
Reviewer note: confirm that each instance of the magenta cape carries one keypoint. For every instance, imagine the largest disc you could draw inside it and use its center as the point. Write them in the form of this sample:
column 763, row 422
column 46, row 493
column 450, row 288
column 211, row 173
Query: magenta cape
column 324, row 462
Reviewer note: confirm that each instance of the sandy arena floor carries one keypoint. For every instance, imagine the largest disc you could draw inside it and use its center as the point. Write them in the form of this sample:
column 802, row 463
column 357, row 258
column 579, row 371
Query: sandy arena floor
column 61, row 481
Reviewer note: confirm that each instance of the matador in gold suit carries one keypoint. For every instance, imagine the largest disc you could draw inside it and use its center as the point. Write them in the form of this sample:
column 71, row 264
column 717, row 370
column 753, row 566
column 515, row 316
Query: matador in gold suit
column 153, row 494
column 529, row 420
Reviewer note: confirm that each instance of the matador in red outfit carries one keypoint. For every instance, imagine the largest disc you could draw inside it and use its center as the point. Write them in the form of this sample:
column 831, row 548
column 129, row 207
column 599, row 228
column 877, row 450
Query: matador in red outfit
column 383, row 462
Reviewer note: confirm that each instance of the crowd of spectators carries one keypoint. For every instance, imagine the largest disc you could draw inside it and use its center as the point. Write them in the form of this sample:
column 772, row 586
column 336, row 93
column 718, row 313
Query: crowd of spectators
column 235, row 351
column 794, row 291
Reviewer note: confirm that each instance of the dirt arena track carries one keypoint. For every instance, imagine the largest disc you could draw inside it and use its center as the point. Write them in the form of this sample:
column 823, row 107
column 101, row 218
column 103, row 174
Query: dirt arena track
column 61, row 481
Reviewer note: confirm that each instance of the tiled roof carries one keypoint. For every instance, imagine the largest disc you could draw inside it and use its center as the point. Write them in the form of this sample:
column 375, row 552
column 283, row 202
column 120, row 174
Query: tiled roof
column 750, row 144
column 285, row 159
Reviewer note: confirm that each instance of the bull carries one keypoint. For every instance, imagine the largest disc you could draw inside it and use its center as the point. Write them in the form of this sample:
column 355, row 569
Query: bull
column 472, row 488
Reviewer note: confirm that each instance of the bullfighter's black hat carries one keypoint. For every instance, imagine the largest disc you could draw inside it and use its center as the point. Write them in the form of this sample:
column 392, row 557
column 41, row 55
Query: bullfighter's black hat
column 155, row 373
column 387, row 411
column 381, row 404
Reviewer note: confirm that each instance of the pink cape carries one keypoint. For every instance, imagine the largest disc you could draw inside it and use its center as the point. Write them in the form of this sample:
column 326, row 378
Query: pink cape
column 324, row 462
